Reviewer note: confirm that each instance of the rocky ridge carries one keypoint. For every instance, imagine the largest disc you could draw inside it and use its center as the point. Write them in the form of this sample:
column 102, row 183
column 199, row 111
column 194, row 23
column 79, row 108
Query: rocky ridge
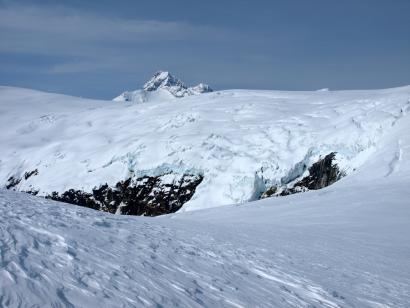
column 321, row 174
column 142, row 196
column 163, row 81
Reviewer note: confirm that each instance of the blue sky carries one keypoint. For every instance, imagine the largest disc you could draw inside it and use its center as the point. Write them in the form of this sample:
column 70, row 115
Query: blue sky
column 101, row 48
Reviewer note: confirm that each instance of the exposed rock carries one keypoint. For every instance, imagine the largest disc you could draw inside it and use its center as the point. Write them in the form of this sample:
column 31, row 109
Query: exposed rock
column 271, row 191
column 321, row 174
column 76, row 197
column 33, row 192
column 161, row 81
column 292, row 190
column 12, row 182
column 148, row 195
column 165, row 80
column 28, row 174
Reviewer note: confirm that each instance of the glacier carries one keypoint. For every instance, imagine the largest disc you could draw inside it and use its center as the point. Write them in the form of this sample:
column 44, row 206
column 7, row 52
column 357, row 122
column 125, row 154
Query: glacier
column 240, row 141
column 345, row 245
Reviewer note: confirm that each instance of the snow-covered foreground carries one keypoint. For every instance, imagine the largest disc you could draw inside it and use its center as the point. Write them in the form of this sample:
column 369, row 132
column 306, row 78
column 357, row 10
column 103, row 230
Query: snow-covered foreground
column 343, row 246
column 346, row 245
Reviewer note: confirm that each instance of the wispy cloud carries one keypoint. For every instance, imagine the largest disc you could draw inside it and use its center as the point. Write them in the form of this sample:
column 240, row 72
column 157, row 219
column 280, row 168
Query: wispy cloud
column 68, row 24
column 58, row 43
column 89, row 41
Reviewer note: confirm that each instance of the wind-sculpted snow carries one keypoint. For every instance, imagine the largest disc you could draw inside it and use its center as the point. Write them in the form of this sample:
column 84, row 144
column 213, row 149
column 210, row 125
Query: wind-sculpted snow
column 241, row 141
column 344, row 246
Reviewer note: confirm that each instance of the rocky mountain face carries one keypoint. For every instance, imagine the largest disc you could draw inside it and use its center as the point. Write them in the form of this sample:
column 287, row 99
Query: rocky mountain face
column 167, row 193
column 321, row 174
column 144, row 196
column 164, row 81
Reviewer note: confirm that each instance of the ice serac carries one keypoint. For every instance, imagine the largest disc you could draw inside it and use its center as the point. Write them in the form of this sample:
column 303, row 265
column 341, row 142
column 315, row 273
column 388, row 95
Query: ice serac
column 163, row 85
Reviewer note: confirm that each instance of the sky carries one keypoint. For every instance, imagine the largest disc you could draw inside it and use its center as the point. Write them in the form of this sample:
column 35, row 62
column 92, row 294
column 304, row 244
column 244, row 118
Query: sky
column 99, row 49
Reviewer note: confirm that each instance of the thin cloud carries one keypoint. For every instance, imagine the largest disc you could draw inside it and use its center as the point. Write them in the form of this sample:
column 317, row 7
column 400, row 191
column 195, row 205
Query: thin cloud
column 55, row 31
column 85, row 42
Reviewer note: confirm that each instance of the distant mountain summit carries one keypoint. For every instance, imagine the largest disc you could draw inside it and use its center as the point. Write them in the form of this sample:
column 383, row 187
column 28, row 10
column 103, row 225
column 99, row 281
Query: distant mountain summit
column 162, row 80
column 201, row 88
column 161, row 86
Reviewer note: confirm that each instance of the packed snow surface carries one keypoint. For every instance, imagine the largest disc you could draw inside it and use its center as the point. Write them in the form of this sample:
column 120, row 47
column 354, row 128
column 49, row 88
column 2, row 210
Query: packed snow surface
column 233, row 138
column 343, row 246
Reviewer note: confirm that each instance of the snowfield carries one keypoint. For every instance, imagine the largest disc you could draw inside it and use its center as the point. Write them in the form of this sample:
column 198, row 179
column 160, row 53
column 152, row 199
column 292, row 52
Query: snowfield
column 241, row 141
column 346, row 245
column 343, row 246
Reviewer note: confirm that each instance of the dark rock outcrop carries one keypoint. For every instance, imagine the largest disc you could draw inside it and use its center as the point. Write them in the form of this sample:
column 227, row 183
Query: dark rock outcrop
column 148, row 195
column 33, row 192
column 163, row 79
column 321, row 174
column 12, row 182
column 28, row 174
column 77, row 197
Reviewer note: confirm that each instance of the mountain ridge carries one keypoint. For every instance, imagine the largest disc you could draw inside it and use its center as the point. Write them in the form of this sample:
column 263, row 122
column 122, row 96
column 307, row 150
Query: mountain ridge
column 165, row 82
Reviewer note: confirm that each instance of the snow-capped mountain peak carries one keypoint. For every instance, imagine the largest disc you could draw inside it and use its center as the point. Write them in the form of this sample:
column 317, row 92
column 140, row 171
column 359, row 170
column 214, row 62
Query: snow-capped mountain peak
column 201, row 88
column 162, row 85
column 162, row 79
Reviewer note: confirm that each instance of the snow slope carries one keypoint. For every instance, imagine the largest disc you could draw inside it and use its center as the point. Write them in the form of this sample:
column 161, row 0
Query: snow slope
column 343, row 246
column 240, row 140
